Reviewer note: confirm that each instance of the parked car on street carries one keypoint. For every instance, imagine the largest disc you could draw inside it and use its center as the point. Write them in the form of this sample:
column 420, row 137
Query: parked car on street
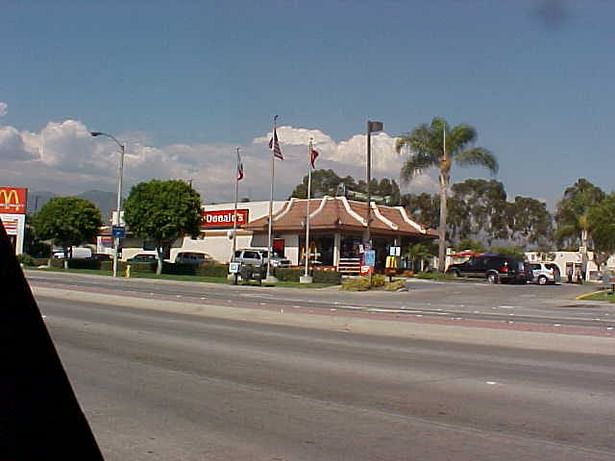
column 494, row 268
column 185, row 257
column 545, row 273
column 101, row 257
column 142, row 258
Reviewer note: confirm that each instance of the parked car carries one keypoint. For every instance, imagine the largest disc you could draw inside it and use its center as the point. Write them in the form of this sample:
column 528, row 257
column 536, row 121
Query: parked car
column 142, row 258
column 258, row 257
column 544, row 273
column 101, row 257
column 197, row 259
column 493, row 268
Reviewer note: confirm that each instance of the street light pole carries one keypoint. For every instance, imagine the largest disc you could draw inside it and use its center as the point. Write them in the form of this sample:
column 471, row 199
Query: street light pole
column 118, row 219
column 372, row 127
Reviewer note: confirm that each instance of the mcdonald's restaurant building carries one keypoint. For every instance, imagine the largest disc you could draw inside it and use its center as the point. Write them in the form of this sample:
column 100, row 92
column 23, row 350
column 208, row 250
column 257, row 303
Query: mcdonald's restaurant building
column 13, row 206
column 337, row 228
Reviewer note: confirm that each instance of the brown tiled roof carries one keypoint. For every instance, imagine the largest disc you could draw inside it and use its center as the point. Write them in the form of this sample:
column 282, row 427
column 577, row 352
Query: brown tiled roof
column 338, row 213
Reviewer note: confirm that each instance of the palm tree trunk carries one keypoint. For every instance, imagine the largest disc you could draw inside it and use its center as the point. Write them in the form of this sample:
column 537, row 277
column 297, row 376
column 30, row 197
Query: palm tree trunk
column 443, row 217
column 584, row 256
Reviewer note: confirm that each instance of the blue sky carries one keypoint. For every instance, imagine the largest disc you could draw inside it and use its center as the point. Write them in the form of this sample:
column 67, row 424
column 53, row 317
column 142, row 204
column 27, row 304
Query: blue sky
column 184, row 82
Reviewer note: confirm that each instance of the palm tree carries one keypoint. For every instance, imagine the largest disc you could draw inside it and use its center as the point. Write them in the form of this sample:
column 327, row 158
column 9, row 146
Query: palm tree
column 418, row 252
column 438, row 145
column 572, row 216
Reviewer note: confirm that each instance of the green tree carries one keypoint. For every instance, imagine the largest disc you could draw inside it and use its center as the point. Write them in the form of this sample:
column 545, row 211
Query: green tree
column 430, row 150
column 163, row 211
column 417, row 253
column 601, row 219
column 324, row 182
column 469, row 244
column 530, row 222
column 572, row 213
column 33, row 245
column 477, row 209
column 67, row 221
column 327, row 182
column 424, row 207
column 572, row 217
column 513, row 251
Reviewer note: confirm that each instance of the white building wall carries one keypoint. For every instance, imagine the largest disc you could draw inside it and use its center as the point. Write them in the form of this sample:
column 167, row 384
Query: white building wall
column 291, row 248
column 15, row 224
column 561, row 258
column 257, row 209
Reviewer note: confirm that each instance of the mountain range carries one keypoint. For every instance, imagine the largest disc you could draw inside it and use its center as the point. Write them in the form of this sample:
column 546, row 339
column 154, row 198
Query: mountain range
column 105, row 201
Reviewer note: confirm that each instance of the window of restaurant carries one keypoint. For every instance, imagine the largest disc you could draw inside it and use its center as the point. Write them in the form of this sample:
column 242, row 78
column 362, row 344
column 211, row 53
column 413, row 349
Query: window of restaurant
column 321, row 250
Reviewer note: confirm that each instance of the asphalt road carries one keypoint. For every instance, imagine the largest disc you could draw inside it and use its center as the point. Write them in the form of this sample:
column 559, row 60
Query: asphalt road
column 164, row 385
column 511, row 305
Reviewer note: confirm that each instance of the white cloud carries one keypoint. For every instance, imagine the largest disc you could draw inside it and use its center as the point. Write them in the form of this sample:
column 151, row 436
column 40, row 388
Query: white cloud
column 3, row 108
column 64, row 158
column 12, row 145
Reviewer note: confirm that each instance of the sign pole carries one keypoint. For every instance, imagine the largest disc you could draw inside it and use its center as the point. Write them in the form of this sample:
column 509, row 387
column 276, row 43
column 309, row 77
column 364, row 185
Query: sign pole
column 269, row 277
column 235, row 212
column 118, row 218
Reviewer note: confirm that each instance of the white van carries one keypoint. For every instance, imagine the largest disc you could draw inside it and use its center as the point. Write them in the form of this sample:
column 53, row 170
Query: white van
column 78, row 253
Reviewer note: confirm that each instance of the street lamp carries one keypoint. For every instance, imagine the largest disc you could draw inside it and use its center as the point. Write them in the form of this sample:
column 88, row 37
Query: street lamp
column 117, row 220
column 372, row 127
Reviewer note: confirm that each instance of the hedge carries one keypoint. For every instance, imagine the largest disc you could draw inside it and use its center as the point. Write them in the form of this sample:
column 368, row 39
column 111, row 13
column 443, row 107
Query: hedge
column 288, row 274
column 206, row 270
column 318, row 276
column 363, row 283
column 333, row 277
column 25, row 259
column 212, row 270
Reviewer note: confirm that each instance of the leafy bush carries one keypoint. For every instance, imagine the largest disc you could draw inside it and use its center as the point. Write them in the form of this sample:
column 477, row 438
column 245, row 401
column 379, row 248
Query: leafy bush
column 212, row 270
column 26, row 259
column 378, row 280
column 106, row 265
column 57, row 262
column 395, row 285
column 178, row 269
column 41, row 261
column 143, row 267
column 356, row 284
column 332, row 277
column 288, row 274
column 515, row 252
column 433, row 276
column 83, row 264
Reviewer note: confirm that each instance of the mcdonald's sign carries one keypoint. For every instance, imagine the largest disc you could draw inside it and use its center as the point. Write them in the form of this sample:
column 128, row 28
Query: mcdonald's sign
column 13, row 200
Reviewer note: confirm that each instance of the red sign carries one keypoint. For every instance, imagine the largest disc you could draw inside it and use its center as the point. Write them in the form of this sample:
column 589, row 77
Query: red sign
column 223, row 219
column 13, row 200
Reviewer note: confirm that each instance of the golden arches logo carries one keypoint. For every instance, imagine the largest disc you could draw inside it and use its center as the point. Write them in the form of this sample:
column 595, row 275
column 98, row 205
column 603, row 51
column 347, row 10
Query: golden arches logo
column 9, row 197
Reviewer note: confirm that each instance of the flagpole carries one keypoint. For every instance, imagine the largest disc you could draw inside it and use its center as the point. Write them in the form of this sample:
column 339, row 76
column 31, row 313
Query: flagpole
column 235, row 212
column 306, row 278
column 270, row 243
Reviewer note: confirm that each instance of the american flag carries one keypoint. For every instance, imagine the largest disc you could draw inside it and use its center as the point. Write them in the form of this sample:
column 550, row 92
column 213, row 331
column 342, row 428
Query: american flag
column 313, row 157
column 274, row 145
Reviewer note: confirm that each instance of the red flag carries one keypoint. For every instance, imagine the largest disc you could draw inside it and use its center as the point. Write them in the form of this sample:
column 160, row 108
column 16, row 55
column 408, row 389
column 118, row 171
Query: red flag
column 274, row 145
column 313, row 157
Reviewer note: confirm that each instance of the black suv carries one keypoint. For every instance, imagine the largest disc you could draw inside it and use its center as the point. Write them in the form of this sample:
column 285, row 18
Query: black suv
column 494, row 268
